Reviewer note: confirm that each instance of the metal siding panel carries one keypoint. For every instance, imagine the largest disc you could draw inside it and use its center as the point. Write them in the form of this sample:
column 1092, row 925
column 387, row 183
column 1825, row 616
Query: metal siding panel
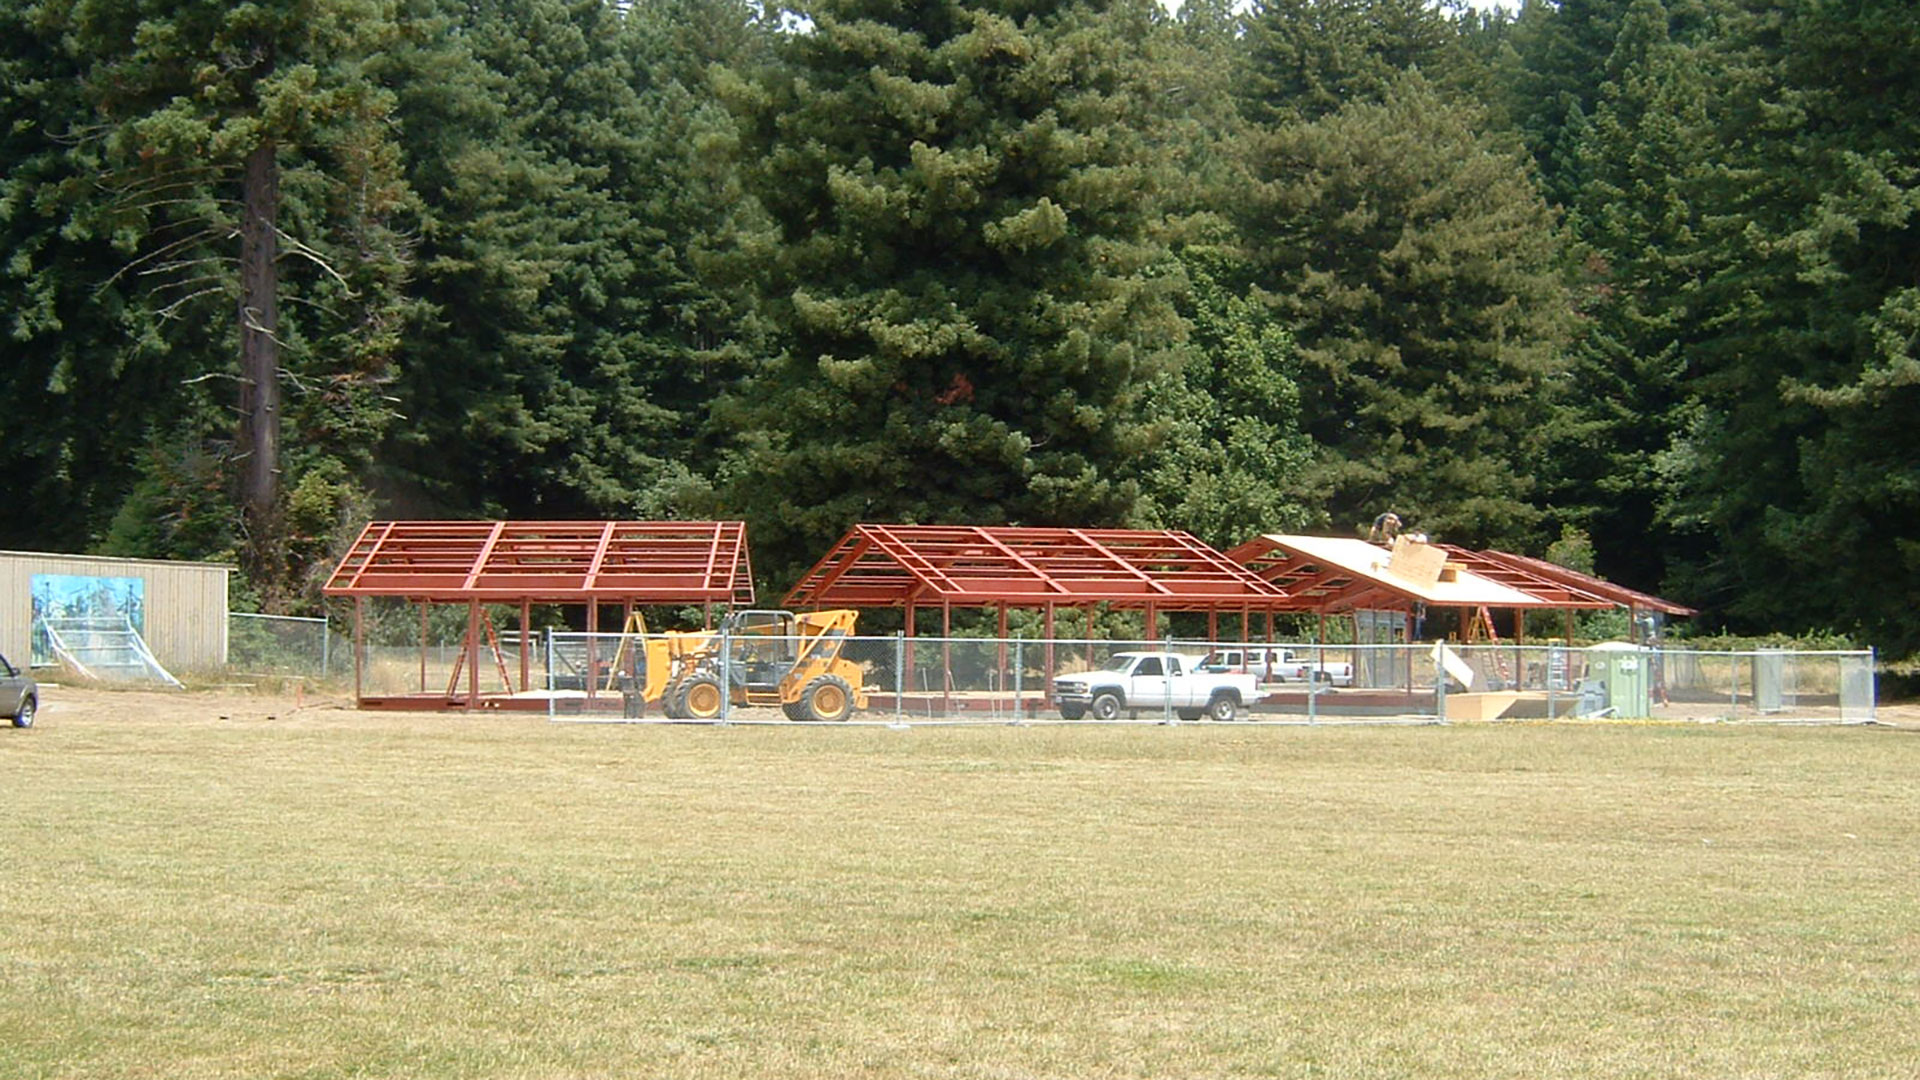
column 16, row 609
column 186, row 604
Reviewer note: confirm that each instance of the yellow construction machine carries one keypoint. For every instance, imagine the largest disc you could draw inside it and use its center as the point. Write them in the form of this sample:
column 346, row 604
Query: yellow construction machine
column 776, row 658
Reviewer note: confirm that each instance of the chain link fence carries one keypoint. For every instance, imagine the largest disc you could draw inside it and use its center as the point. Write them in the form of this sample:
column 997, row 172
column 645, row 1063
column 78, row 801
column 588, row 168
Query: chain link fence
column 900, row 680
column 1629, row 682
column 930, row 680
column 284, row 646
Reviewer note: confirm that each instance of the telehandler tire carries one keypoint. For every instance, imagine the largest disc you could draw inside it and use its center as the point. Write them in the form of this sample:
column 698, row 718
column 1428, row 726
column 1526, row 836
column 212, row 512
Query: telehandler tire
column 670, row 704
column 702, row 698
column 827, row 698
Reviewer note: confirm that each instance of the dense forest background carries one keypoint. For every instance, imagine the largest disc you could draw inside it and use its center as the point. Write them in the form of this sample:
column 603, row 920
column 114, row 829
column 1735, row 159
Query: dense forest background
column 1631, row 281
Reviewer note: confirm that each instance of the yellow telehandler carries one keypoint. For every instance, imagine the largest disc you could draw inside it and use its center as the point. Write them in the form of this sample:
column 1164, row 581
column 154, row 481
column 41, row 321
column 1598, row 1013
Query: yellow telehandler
column 777, row 658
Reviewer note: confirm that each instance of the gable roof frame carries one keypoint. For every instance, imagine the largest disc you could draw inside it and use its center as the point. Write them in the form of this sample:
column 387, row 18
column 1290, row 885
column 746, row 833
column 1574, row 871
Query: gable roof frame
column 1018, row 566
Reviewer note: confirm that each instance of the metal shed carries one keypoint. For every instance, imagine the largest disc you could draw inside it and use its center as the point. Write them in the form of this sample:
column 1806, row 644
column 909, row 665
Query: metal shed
column 178, row 608
column 522, row 563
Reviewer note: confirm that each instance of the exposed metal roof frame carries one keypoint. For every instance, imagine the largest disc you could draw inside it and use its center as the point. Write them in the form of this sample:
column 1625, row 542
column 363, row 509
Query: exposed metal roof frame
column 1327, row 574
column 1632, row 599
column 1330, row 574
column 1508, row 571
column 973, row 566
column 638, row 562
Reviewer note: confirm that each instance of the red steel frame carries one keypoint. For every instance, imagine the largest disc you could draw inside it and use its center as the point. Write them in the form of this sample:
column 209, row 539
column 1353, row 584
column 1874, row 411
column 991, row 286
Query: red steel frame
column 1327, row 589
column 539, row 562
column 1003, row 567
column 642, row 562
column 1632, row 599
column 973, row 566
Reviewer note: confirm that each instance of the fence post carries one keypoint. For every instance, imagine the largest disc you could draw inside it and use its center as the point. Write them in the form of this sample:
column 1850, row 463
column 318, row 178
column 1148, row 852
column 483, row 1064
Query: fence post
column 899, row 676
column 1732, row 679
column 1166, row 679
column 1019, row 681
column 1313, row 684
column 1547, row 674
column 726, row 675
column 326, row 647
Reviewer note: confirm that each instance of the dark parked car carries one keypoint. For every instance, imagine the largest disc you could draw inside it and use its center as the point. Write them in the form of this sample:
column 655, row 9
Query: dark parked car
column 19, row 697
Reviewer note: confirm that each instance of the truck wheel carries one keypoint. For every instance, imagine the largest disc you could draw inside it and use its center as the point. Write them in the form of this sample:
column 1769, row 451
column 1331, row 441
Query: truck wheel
column 1072, row 712
column 24, row 718
column 1106, row 706
column 1223, row 707
column 702, row 698
column 827, row 698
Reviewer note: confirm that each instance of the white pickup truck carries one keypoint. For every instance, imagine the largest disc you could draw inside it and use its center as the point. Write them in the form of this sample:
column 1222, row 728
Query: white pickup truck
column 1153, row 681
column 1274, row 664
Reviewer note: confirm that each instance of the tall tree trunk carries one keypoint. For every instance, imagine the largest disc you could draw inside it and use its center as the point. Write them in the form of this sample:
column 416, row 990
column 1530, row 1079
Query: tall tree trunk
column 259, row 437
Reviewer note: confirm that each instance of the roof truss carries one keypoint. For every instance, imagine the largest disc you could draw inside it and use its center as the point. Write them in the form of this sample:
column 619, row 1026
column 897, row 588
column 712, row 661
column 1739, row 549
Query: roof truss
column 1620, row 595
column 980, row 566
column 1320, row 585
column 642, row 562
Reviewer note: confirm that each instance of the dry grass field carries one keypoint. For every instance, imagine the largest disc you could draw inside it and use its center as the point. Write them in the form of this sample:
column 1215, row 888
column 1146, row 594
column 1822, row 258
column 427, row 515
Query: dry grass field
column 231, row 886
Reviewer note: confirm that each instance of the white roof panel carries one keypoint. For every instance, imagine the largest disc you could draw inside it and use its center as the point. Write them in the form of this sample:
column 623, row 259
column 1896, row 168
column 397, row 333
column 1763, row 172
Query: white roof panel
column 1458, row 588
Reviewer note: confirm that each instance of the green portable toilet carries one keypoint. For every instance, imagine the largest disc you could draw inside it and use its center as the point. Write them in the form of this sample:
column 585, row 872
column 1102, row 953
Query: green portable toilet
column 1627, row 672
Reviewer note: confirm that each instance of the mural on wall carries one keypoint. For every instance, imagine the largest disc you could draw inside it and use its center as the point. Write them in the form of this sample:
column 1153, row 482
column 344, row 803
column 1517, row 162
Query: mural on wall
column 82, row 603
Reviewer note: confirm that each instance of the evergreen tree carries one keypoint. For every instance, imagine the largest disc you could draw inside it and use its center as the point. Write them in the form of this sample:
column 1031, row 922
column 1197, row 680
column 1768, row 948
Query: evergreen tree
column 574, row 185
column 968, row 292
column 1234, row 449
column 1569, row 52
column 1420, row 271
column 1641, row 158
column 1308, row 58
column 84, row 371
column 239, row 166
column 1798, row 457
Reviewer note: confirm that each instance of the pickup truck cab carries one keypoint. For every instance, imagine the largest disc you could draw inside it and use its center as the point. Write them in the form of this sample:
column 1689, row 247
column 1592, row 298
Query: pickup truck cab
column 1137, row 681
column 1274, row 664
